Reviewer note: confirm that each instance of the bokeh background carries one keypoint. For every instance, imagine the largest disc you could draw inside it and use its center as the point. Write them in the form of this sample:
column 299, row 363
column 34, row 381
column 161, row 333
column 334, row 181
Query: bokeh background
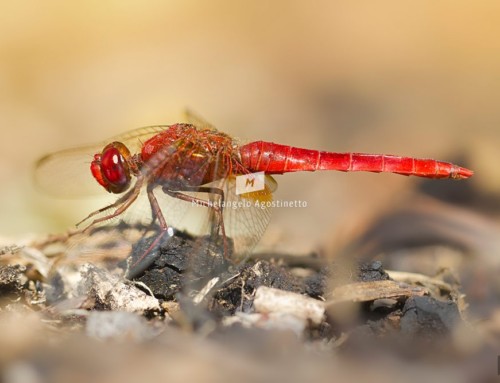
column 420, row 79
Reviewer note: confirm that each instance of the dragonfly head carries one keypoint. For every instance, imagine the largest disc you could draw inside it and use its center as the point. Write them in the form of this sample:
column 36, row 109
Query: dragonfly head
column 111, row 167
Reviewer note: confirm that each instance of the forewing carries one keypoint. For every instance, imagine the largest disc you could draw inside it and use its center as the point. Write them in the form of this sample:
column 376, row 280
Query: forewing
column 66, row 174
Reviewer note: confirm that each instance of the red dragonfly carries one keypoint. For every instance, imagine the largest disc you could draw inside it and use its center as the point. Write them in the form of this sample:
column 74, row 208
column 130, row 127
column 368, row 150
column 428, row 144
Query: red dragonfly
column 198, row 165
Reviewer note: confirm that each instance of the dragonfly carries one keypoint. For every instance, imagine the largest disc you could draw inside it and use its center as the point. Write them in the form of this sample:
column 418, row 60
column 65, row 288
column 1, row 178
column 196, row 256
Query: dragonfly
column 195, row 164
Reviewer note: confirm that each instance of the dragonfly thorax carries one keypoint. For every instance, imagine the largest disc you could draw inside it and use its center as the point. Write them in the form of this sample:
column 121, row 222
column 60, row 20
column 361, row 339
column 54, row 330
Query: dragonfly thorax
column 184, row 156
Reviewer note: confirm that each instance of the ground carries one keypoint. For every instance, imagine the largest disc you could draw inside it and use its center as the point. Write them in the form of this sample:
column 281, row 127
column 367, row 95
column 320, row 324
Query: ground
column 189, row 313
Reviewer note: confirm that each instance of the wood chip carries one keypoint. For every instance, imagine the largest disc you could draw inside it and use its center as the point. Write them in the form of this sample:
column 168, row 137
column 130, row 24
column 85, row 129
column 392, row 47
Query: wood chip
column 370, row 291
column 269, row 300
column 422, row 279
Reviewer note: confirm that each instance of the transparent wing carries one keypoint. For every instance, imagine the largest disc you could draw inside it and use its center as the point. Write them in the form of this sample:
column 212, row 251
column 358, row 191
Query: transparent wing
column 195, row 119
column 247, row 215
column 66, row 174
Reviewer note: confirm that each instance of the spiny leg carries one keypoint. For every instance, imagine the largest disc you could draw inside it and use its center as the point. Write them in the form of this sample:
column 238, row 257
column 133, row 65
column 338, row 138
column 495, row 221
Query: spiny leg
column 164, row 229
column 218, row 209
column 122, row 204
column 102, row 209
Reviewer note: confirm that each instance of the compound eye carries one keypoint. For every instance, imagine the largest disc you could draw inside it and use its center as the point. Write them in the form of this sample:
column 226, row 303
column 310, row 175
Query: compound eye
column 111, row 168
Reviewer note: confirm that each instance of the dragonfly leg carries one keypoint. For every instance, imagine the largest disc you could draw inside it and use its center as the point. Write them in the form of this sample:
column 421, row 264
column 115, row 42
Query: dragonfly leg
column 121, row 205
column 217, row 209
column 164, row 229
column 156, row 209
column 117, row 203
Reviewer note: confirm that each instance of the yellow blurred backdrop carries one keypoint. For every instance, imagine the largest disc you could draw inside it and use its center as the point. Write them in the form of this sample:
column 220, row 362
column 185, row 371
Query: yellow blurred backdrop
column 419, row 78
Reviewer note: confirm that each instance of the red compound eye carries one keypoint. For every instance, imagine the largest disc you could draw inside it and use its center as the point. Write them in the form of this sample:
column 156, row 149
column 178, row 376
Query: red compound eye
column 111, row 169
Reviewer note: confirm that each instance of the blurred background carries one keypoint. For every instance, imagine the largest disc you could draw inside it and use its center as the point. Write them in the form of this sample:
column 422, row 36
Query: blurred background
column 419, row 79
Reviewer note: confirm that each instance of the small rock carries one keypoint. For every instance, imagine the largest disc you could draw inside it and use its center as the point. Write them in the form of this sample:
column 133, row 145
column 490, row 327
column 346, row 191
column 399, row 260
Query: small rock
column 426, row 315
column 12, row 279
column 105, row 291
column 118, row 325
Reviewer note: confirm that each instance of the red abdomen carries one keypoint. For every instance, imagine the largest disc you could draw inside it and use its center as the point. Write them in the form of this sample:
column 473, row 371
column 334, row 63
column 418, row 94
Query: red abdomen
column 277, row 159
